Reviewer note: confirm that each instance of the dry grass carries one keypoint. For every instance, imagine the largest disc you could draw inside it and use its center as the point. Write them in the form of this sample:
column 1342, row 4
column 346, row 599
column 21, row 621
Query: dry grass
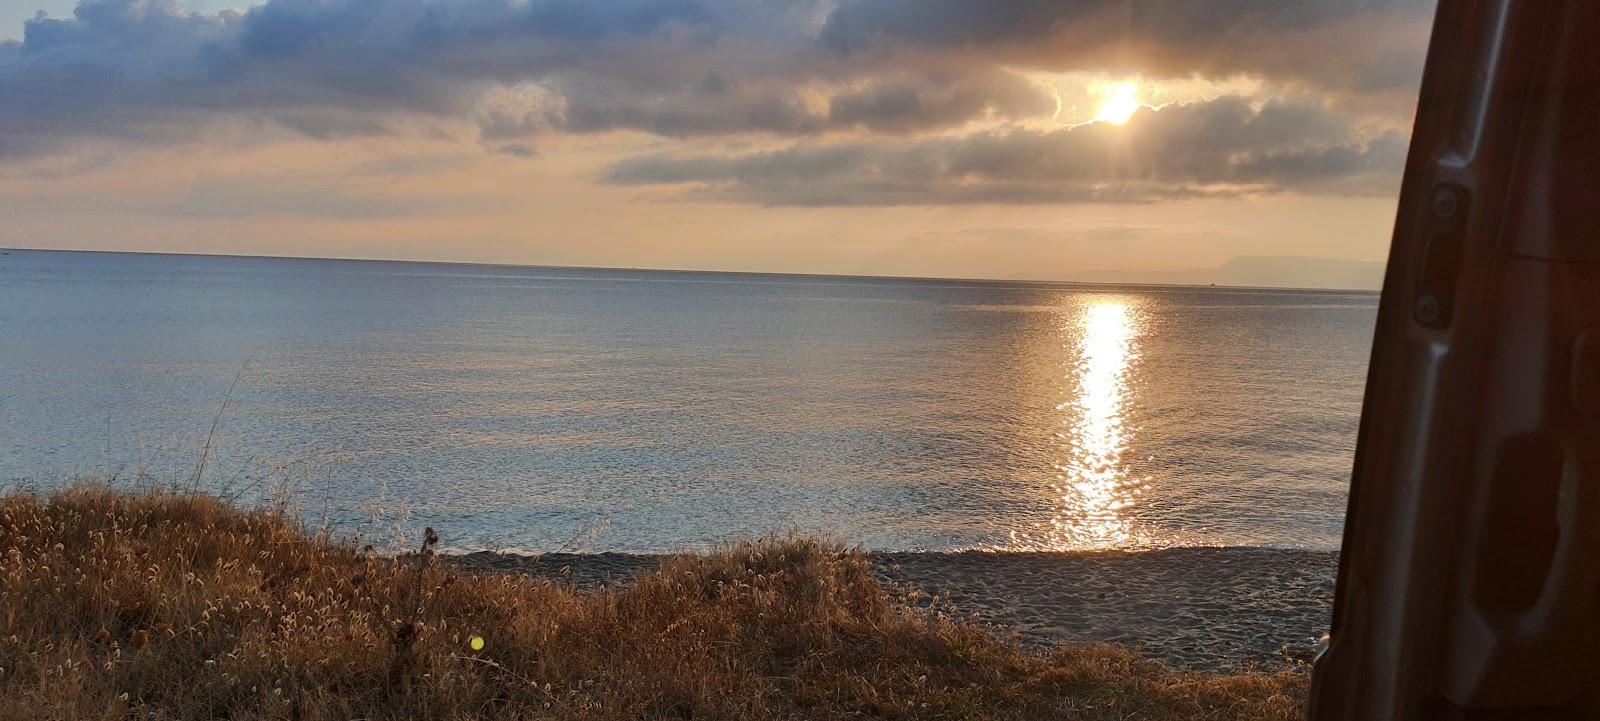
column 179, row 607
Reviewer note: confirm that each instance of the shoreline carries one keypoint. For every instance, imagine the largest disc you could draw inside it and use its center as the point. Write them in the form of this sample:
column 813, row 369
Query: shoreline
column 1211, row 609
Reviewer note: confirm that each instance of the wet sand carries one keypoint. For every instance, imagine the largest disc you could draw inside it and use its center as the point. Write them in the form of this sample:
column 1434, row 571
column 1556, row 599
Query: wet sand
column 1205, row 609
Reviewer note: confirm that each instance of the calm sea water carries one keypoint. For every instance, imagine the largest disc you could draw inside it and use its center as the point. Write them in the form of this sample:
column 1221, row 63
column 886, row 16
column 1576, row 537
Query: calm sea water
column 516, row 407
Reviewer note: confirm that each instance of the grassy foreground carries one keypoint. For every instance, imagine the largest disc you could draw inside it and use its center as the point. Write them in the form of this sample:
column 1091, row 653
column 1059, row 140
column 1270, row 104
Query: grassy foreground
column 180, row 607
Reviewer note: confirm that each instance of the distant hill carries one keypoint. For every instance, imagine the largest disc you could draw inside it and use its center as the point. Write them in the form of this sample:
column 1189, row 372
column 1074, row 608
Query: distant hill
column 1270, row 271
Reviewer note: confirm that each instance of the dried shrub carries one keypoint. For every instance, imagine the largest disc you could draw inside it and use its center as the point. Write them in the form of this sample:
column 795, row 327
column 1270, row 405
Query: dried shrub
column 161, row 606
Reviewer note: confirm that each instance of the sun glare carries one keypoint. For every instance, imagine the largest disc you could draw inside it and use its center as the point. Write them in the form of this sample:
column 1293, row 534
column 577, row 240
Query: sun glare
column 1120, row 102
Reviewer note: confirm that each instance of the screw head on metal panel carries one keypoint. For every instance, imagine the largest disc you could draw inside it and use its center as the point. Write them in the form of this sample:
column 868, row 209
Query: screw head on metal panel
column 1445, row 202
column 1427, row 309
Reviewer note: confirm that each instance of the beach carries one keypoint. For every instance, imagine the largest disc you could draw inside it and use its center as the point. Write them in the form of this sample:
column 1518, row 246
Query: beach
column 1201, row 609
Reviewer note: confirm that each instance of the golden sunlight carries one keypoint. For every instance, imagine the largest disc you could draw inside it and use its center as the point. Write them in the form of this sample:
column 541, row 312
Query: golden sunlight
column 1094, row 492
column 1120, row 101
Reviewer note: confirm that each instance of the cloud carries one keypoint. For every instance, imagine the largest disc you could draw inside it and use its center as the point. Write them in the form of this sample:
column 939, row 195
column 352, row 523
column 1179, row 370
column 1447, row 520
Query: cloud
column 517, row 150
column 1308, row 42
column 699, row 107
column 719, row 105
column 147, row 70
column 1224, row 146
column 130, row 68
column 909, row 104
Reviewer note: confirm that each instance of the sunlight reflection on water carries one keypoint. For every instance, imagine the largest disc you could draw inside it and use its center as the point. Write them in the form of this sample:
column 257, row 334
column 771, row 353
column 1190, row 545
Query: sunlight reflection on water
column 1094, row 490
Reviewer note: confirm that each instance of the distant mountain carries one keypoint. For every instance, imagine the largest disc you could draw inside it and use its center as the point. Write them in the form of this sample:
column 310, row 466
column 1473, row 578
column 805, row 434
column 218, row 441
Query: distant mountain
column 1268, row 271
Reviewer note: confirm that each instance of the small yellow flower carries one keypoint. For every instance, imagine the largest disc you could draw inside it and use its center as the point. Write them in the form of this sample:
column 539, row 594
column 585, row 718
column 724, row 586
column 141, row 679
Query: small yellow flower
column 476, row 643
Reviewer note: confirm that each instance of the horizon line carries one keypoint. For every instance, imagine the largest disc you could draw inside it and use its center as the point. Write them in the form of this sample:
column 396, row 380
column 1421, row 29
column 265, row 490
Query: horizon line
column 641, row 269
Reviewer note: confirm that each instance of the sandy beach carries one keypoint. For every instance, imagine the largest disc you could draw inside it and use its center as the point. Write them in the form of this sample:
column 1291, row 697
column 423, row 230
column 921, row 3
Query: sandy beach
column 1204, row 609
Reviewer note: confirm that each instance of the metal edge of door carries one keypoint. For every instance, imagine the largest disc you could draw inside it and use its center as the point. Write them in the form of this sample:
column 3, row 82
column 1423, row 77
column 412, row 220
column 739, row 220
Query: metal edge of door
column 1464, row 589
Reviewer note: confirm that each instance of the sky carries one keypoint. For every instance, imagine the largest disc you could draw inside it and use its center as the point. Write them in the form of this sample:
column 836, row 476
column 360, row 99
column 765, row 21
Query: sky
column 1050, row 139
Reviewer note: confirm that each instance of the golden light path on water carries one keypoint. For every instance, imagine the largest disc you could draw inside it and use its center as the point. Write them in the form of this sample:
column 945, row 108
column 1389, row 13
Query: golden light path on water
column 1093, row 492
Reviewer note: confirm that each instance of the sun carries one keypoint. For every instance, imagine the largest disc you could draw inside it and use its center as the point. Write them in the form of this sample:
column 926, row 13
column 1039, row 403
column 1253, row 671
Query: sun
column 1120, row 103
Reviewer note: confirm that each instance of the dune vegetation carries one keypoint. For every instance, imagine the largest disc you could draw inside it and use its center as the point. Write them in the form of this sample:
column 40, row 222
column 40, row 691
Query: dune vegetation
column 178, row 606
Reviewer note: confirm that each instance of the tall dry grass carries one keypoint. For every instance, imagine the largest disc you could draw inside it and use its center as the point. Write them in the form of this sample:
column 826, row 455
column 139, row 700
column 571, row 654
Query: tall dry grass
column 179, row 607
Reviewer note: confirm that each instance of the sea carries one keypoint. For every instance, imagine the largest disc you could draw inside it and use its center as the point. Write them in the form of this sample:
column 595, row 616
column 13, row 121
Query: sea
column 539, row 409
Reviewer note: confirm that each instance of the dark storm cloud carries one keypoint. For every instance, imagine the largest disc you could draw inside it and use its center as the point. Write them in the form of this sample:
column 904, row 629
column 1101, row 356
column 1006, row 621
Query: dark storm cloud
column 1221, row 147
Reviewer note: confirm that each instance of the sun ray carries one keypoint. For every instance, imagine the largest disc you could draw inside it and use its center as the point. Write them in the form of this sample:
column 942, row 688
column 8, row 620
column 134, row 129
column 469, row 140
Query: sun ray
column 1120, row 102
